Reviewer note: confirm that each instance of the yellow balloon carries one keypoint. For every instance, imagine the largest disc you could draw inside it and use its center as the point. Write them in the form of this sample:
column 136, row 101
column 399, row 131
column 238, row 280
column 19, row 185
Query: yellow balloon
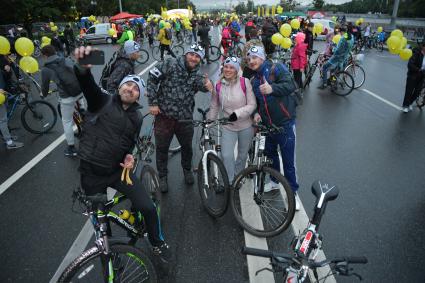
column 167, row 25
column 24, row 46
column 286, row 43
column 285, row 30
column 295, row 24
column 28, row 64
column 45, row 39
column 397, row 33
column 336, row 38
column 52, row 24
column 54, row 28
column 405, row 54
column 380, row 29
column 2, row 98
column 318, row 28
column 361, row 20
column 111, row 32
column 393, row 43
column 4, row 46
column 279, row 10
column 403, row 43
column 277, row 38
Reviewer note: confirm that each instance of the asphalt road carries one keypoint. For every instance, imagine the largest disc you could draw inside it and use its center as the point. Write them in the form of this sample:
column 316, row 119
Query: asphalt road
column 366, row 146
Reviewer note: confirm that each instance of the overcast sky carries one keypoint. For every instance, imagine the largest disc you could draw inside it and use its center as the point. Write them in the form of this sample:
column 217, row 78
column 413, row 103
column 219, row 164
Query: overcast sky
column 221, row 3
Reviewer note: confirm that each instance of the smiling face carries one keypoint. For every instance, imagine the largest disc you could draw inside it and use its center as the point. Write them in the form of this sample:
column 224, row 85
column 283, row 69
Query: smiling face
column 129, row 93
column 229, row 72
column 192, row 60
column 254, row 62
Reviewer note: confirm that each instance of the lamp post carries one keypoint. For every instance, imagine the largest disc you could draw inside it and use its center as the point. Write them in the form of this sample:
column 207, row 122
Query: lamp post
column 394, row 15
column 120, row 6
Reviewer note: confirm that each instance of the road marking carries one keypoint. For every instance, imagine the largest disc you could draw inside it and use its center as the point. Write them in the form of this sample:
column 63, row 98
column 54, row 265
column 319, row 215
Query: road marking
column 147, row 68
column 382, row 99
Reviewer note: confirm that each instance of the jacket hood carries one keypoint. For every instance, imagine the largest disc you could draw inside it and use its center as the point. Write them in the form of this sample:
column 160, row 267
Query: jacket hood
column 53, row 58
column 181, row 61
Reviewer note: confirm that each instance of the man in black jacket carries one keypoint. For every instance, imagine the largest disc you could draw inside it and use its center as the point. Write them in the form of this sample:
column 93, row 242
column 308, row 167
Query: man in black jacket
column 111, row 127
column 415, row 77
column 203, row 33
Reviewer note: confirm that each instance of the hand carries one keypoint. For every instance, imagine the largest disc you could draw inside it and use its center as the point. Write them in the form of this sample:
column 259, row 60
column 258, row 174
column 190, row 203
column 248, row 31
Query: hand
column 82, row 51
column 257, row 118
column 154, row 110
column 128, row 162
column 266, row 88
column 208, row 84
column 7, row 68
column 233, row 117
column 41, row 95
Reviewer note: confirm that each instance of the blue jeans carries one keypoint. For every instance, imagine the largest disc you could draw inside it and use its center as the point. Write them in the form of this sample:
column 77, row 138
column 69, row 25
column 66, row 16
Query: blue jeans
column 286, row 142
column 325, row 69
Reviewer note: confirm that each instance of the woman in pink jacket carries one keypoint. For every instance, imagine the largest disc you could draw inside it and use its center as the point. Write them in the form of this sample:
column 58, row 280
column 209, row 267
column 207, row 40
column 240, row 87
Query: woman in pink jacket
column 299, row 58
column 234, row 96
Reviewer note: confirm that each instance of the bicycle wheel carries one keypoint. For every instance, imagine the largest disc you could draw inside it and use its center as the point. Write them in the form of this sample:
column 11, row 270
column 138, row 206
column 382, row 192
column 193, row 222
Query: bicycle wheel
column 420, row 101
column 380, row 46
column 38, row 117
column 150, row 182
column 214, row 53
column 144, row 56
column 263, row 214
column 215, row 195
column 178, row 50
column 188, row 39
column 358, row 74
column 309, row 76
column 156, row 53
column 342, row 83
column 129, row 264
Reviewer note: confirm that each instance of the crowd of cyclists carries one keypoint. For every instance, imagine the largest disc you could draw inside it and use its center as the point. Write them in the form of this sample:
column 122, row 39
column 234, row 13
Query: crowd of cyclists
column 250, row 89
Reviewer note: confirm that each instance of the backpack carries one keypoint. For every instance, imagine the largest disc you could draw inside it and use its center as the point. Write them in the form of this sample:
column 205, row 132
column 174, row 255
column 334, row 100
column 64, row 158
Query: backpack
column 107, row 70
column 218, row 87
column 297, row 94
column 226, row 33
column 168, row 34
column 67, row 79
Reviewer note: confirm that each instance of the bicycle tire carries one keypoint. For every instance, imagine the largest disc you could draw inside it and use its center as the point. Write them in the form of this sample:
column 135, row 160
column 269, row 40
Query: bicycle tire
column 188, row 39
column 78, row 272
column 358, row 74
column 150, row 182
column 343, row 83
column 215, row 197
column 309, row 76
column 214, row 53
column 420, row 101
column 178, row 50
column 144, row 56
column 262, row 203
column 34, row 113
column 156, row 53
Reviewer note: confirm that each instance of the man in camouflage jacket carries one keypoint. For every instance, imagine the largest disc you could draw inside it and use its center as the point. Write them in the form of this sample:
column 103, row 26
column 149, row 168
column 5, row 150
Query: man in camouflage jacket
column 171, row 91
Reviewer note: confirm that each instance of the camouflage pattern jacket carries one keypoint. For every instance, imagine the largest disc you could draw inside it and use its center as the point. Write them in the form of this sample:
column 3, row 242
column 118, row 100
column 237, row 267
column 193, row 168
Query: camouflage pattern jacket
column 175, row 91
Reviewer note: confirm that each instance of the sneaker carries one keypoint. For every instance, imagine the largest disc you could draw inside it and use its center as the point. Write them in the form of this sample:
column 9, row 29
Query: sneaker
column 271, row 186
column 406, row 109
column 70, row 151
column 163, row 252
column 297, row 202
column 188, row 177
column 14, row 145
column 163, row 184
column 411, row 107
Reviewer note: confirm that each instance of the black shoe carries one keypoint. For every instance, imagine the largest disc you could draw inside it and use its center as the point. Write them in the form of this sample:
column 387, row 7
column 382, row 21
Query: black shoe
column 70, row 151
column 163, row 185
column 188, row 177
column 163, row 252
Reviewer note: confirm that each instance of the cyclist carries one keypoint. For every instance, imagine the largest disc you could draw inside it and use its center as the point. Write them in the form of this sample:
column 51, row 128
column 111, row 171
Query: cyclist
column 124, row 65
column 60, row 71
column 268, row 30
column 226, row 38
column 69, row 39
column 171, row 95
column 164, row 41
column 126, row 35
column 233, row 95
column 112, row 125
column 203, row 30
column 415, row 77
column 339, row 56
column 273, row 88
column 177, row 28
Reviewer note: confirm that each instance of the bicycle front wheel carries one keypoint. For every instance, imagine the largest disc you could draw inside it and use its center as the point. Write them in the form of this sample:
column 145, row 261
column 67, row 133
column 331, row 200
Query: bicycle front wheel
column 144, row 56
column 262, row 210
column 129, row 264
column 156, row 53
column 358, row 74
column 178, row 50
column 214, row 53
column 38, row 117
column 342, row 83
column 214, row 191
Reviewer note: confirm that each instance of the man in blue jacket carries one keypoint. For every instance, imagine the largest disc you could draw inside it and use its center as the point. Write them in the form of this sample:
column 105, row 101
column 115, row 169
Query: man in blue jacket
column 274, row 89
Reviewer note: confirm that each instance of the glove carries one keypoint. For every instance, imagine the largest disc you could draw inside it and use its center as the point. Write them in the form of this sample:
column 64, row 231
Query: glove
column 233, row 117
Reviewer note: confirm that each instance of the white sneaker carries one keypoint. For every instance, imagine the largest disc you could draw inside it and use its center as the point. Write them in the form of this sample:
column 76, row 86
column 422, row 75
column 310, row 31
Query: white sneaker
column 406, row 109
column 270, row 186
column 297, row 203
column 411, row 107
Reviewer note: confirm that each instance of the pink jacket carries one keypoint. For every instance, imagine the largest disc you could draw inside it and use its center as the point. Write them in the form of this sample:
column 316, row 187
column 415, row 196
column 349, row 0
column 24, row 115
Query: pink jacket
column 232, row 99
column 299, row 56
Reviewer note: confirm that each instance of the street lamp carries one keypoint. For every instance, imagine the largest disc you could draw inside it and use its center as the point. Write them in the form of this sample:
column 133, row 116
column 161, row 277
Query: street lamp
column 120, row 6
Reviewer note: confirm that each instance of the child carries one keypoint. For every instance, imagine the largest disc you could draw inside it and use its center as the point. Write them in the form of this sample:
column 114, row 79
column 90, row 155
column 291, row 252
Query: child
column 299, row 58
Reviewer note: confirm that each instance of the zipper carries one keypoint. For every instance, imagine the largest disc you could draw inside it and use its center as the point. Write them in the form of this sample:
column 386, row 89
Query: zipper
column 284, row 110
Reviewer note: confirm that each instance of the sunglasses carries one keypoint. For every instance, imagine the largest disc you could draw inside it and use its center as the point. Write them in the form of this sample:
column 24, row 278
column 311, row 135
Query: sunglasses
column 230, row 60
column 196, row 47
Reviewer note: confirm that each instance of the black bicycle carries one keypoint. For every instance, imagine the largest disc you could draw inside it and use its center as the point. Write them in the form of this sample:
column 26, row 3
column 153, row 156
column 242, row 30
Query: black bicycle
column 306, row 246
column 420, row 101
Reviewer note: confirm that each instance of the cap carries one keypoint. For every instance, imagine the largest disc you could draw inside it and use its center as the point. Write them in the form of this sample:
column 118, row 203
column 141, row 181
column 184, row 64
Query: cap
column 136, row 79
column 131, row 47
column 233, row 61
column 196, row 48
column 257, row 51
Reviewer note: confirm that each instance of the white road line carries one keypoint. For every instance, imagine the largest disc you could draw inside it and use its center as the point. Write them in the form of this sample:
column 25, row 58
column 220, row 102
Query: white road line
column 382, row 99
column 147, row 68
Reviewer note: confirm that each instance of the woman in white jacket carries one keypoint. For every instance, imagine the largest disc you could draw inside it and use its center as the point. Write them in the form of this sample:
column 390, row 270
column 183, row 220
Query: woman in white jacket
column 234, row 96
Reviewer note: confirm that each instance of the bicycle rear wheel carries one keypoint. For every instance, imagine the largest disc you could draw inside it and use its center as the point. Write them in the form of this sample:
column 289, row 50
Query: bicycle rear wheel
column 156, row 53
column 150, row 182
column 214, row 53
column 260, row 213
column 214, row 194
column 129, row 264
column 38, row 117
column 178, row 50
column 358, row 74
column 309, row 76
column 342, row 83
column 144, row 56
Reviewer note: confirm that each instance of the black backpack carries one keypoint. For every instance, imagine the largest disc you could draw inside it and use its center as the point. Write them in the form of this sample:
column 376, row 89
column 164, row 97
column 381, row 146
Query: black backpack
column 168, row 34
column 67, row 79
column 107, row 70
column 297, row 94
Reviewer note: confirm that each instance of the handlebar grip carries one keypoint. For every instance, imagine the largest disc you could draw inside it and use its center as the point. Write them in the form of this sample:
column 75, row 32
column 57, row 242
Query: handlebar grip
column 351, row 259
column 257, row 252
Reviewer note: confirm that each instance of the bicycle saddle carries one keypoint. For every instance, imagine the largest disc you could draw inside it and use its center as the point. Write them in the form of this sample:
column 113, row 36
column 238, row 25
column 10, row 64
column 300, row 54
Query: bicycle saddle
column 319, row 188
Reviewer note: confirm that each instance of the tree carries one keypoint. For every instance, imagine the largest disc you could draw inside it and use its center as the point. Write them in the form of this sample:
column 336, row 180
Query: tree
column 318, row 4
column 250, row 6
column 240, row 8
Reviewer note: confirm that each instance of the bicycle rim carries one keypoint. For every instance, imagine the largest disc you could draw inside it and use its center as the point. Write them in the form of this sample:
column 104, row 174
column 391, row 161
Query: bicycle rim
column 38, row 117
column 129, row 264
column 150, row 182
column 144, row 57
column 420, row 101
column 156, row 53
column 215, row 195
column 263, row 214
column 342, row 83
column 358, row 74
column 178, row 50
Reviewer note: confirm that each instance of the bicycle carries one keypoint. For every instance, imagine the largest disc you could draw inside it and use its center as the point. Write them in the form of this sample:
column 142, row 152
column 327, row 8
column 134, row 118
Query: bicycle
column 420, row 101
column 111, row 251
column 178, row 50
column 37, row 116
column 355, row 70
column 340, row 82
column 214, row 52
column 306, row 246
column 262, row 213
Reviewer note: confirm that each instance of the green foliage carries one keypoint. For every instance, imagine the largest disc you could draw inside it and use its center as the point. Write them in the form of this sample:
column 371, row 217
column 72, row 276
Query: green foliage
column 318, row 4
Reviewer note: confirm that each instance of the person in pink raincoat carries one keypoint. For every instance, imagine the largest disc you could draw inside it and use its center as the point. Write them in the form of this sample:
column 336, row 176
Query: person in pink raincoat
column 299, row 58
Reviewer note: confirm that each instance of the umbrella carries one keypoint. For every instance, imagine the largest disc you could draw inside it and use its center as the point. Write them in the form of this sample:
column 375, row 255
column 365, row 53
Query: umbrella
column 124, row 15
